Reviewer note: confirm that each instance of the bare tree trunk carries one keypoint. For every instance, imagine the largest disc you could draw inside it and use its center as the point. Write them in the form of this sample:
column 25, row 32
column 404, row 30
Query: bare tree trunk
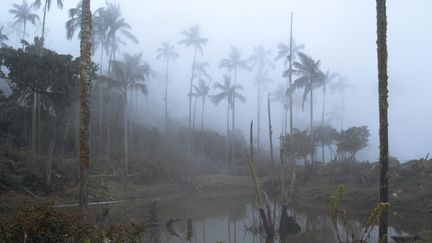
column 270, row 130
column 382, row 55
column 85, row 63
column 258, row 120
column 108, row 133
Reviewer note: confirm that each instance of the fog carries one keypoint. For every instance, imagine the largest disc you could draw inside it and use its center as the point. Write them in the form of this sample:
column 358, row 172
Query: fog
column 339, row 33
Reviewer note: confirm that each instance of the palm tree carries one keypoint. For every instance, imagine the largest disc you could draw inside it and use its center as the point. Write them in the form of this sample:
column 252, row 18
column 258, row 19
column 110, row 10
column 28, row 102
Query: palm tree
column 46, row 8
column 260, row 60
column 23, row 13
column 383, row 106
column 3, row 37
column 129, row 74
column 201, row 90
column 288, row 53
column 310, row 77
column 229, row 93
column 85, row 104
column 192, row 37
column 168, row 53
column 232, row 64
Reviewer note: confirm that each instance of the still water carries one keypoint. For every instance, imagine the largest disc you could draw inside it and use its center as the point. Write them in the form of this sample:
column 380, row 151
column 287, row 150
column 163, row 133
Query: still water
column 228, row 219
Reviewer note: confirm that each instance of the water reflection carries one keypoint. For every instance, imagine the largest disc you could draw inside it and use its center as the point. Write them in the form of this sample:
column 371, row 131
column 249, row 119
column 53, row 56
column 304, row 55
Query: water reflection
column 231, row 219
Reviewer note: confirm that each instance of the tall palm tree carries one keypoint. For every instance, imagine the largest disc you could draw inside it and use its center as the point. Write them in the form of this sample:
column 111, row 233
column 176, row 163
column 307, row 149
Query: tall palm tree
column 233, row 63
column 383, row 106
column 129, row 74
column 310, row 77
column 261, row 61
column 85, row 104
column 168, row 53
column 229, row 93
column 192, row 38
column 23, row 14
column 46, row 8
column 289, row 53
column 201, row 73
column 3, row 37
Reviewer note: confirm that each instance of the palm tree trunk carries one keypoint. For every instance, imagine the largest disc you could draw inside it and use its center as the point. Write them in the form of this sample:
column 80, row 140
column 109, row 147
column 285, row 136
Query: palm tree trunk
column 202, row 113
column 34, row 124
column 233, row 116
column 270, row 130
column 322, row 122
column 190, row 88
column 126, row 152
column 43, row 22
column 194, row 112
column 311, row 123
column 166, row 94
column 108, row 133
column 290, row 76
column 24, row 32
column 383, row 106
column 227, row 135
column 85, row 104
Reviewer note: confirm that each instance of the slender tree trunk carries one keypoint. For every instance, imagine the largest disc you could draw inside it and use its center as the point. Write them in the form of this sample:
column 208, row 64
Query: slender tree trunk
column 190, row 88
column 108, row 133
column 233, row 117
column 100, row 144
column 382, row 55
column 194, row 112
column 51, row 147
column 85, row 63
column 24, row 32
column 270, row 130
column 258, row 120
column 322, row 122
column 290, row 76
column 202, row 113
column 126, row 152
column 227, row 135
column 311, row 122
column 34, row 124
column 166, row 94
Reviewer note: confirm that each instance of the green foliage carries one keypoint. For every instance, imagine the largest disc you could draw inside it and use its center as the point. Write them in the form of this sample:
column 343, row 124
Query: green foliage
column 299, row 144
column 337, row 212
column 353, row 140
column 43, row 223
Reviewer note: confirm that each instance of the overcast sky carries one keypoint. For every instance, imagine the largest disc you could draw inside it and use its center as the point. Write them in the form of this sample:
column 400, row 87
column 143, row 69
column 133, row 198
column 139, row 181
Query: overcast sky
column 340, row 33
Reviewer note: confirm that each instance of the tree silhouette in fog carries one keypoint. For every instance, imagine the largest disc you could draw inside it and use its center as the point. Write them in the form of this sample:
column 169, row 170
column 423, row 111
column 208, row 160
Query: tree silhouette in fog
column 229, row 92
column 128, row 75
column 23, row 14
column 192, row 38
column 168, row 53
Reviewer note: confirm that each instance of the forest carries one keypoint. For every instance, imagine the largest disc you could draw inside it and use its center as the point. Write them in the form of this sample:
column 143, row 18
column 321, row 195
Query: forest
column 112, row 133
